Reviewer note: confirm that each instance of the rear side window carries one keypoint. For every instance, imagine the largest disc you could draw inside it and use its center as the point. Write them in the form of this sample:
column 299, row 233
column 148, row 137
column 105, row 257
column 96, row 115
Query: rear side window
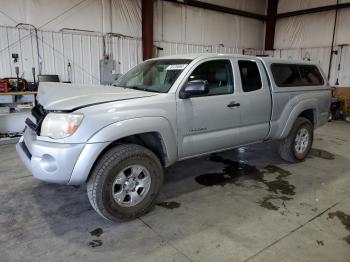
column 286, row 75
column 310, row 75
column 250, row 76
column 296, row 75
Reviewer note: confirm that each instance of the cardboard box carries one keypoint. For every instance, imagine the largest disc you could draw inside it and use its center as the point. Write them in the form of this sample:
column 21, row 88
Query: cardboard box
column 342, row 92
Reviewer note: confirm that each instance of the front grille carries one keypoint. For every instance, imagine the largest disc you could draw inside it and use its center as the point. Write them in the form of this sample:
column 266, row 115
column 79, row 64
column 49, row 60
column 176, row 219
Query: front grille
column 25, row 150
column 39, row 114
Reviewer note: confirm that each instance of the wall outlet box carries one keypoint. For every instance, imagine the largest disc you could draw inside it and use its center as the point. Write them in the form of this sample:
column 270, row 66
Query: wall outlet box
column 107, row 69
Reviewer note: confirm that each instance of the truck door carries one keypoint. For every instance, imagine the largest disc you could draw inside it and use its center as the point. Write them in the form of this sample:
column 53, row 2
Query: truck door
column 209, row 122
column 255, row 100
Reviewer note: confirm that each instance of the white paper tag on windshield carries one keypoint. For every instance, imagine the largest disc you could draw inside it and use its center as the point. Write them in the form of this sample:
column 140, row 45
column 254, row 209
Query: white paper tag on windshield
column 176, row 67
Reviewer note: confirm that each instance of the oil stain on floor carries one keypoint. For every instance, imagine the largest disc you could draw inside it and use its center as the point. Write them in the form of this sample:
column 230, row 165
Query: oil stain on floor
column 345, row 219
column 96, row 232
column 95, row 243
column 314, row 152
column 169, row 205
column 320, row 242
column 234, row 171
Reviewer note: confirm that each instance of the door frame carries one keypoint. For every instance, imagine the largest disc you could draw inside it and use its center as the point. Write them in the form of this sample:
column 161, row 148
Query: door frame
column 236, row 90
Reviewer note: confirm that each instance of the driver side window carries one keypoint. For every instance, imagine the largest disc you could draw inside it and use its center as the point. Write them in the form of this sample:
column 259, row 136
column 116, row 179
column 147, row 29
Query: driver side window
column 219, row 75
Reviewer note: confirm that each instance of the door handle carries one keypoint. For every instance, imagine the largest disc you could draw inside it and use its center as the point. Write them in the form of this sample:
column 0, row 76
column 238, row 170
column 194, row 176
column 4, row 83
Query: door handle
column 233, row 104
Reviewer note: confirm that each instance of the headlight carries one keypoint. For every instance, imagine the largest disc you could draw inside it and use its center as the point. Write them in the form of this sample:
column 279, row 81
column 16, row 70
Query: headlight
column 60, row 125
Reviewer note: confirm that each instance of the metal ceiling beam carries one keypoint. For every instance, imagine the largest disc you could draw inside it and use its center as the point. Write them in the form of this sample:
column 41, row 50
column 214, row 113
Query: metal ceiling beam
column 314, row 10
column 218, row 8
column 147, row 28
column 272, row 6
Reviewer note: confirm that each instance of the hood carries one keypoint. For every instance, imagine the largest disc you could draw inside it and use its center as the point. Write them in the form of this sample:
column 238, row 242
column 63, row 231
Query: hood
column 59, row 96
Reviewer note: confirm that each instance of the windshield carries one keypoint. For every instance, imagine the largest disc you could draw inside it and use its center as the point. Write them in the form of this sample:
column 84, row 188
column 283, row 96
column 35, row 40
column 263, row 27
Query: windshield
column 154, row 75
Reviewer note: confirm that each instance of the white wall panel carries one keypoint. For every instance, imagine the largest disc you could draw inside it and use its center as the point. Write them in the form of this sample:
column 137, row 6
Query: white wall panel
column 227, row 50
column 126, row 17
column 48, row 52
column 342, row 35
column 254, row 6
column 122, row 16
column 216, row 30
column 52, row 14
column 173, row 48
column 82, row 50
column 186, row 24
column 340, row 71
column 344, row 72
column 12, row 12
column 172, row 22
column 317, row 55
column 58, row 47
column 294, row 5
column 251, row 34
column 311, row 30
column 60, row 61
column 127, row 52
column 193, row 25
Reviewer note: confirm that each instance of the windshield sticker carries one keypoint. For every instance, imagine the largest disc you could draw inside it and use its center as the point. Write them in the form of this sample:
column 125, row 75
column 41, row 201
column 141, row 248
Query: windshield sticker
column 176, row 67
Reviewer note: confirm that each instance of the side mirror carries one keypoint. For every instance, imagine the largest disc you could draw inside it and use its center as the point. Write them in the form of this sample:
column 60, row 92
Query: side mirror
column 194, row 88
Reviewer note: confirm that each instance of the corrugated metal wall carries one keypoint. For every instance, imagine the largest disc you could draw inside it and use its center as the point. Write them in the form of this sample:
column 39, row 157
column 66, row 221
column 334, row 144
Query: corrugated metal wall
column 173, row 48
column 166, row 48
column 56, row 49
column 126, row 51
column 82, row 50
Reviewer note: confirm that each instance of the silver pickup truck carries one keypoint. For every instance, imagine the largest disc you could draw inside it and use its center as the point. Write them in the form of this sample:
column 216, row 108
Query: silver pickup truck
column 118, row 139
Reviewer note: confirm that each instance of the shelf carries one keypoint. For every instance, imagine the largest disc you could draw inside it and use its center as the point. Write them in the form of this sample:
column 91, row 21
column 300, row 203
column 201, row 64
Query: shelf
column 24, row 111
column 19, row 93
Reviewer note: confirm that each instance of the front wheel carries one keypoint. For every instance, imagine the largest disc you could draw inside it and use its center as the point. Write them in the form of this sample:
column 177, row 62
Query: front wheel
column 125, row 182
column 297, row 144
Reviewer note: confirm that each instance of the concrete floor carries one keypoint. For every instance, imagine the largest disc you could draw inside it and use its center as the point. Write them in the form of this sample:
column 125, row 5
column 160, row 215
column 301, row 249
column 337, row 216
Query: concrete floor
column 242, row 205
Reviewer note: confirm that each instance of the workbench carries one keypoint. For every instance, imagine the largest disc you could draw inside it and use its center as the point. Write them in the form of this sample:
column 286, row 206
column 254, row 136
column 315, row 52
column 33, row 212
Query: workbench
column 12, row 115
column 17, row 97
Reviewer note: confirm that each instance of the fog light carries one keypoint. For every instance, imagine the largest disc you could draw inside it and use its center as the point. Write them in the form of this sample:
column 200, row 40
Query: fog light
column 48, row 163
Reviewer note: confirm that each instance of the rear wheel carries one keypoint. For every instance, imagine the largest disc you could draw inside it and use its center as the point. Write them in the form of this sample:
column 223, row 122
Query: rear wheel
column 297, row 144
column 125, row 182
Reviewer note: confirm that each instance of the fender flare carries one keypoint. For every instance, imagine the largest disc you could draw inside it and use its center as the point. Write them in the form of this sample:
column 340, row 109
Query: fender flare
column 135, row 126
column 118, row 130
column 297, row 110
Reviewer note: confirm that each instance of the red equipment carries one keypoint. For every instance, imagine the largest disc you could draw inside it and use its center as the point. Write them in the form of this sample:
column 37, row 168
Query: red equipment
column 5, row 86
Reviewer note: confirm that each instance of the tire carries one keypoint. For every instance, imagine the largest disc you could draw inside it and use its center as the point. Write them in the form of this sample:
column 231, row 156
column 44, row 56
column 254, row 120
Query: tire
column 288, row 149
column 115, row 174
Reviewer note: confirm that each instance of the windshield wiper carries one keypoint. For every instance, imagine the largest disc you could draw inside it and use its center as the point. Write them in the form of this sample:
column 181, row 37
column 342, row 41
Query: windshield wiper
column 141, row 88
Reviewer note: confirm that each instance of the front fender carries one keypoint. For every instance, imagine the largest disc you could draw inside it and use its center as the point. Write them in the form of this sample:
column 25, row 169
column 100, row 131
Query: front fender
column 140, row 125
column 135, row 126
column 108, row 134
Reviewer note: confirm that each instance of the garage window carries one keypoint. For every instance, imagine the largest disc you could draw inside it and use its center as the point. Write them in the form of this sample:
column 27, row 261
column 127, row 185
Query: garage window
column 218, row 73
column 250, row 76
